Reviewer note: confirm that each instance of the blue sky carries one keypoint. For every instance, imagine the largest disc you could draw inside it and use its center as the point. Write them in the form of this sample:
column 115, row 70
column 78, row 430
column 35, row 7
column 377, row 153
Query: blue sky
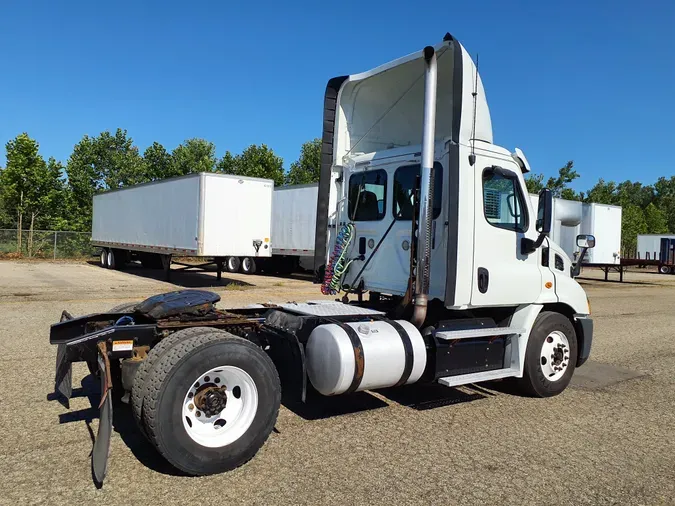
column 591, row 81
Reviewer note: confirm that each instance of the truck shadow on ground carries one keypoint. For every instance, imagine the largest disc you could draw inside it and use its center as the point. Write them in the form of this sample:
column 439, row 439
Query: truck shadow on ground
column 420, row 397
column 185, row 279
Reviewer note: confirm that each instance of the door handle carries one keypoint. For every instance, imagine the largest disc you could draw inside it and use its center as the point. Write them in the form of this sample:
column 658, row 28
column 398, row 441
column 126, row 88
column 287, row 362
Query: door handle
column 483, row 279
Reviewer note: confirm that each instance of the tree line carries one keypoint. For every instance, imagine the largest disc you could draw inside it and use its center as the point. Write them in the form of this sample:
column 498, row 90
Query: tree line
column 46, row 194
column 646, row 209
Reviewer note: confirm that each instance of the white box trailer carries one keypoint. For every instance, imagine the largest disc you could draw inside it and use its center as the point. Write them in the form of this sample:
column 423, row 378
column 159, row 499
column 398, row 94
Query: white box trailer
column 294, row 220
column 294, row 225
column 571, row 218
column 202, row 215
column 649, row 245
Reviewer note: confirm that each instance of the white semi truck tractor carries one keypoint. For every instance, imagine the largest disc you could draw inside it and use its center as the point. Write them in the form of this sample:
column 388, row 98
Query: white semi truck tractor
column 424, row 228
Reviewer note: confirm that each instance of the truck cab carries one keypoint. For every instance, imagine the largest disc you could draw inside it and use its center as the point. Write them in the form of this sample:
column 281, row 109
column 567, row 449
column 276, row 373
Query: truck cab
column 476, row 236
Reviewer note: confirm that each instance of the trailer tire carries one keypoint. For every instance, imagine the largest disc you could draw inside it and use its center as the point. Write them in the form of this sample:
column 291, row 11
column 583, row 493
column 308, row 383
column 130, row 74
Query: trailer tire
column 552, row 335
column 140, row 386
column 248, row 265
column 111, row 263
column 103, row 261
column 223, row 441
column 664, row 269
column 232, row 264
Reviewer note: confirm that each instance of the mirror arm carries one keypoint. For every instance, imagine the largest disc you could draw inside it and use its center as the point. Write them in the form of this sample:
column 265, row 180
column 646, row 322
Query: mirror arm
column 576, row 268
column 528, row 246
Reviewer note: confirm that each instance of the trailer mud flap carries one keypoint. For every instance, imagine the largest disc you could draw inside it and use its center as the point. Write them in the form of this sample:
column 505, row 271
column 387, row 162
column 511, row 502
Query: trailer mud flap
column 63, row 379
column 101, row 450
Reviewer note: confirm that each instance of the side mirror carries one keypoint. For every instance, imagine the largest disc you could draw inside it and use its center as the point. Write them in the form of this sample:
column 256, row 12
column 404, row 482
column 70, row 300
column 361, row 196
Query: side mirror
column 586, row 241
column 544, row 212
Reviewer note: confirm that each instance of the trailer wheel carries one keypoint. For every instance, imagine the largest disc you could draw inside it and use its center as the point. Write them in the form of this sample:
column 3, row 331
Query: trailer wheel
column 233, row 264
column 140, row 387
column 664, row 269
column 211, row 405
column 550, row 357
column 111, row 261
column 104, row 260
column 248, row 265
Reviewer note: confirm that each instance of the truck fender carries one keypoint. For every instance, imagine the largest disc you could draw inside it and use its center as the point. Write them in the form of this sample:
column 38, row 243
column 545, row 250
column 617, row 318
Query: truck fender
column 523, row 317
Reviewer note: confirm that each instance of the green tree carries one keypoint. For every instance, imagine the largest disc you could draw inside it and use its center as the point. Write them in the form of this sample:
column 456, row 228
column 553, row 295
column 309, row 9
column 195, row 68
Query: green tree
column 603, row 193
column 100, row 163
column 30, row 188
column 655, row 219
column 158, row 163
column 664, row 199
column 632, row 223
column 534, row 183
column 308, row 167
column 558, row 185
column 254, row 161
column 193, row 155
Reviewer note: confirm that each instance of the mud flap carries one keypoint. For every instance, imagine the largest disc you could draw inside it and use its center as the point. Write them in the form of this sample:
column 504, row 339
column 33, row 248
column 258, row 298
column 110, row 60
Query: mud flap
column 63, row 379
column 101, row 450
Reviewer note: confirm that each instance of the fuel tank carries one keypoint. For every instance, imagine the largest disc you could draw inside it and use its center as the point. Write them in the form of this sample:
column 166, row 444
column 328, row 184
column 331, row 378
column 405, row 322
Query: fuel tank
column 355, row 356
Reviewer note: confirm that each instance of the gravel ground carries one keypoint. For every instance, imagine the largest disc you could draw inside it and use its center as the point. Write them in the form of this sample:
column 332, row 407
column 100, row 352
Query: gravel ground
column 609, row 439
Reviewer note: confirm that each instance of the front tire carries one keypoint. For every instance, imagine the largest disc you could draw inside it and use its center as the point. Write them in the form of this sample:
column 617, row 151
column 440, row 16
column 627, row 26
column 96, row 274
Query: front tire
column 551, row 356
column 211, row 405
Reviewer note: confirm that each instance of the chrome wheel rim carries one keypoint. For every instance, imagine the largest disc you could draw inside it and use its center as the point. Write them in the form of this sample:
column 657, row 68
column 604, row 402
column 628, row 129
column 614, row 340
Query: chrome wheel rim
column 554, row 358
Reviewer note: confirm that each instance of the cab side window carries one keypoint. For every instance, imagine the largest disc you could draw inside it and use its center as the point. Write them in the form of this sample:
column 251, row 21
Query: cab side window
column 503, row 201
column 404, row 183
column 368, row 195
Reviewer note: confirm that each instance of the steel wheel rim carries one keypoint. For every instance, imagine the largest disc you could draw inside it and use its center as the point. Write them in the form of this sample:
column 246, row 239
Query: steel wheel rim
column 111, row 258
column 246, row 264
column 104, row 258
column 229, row 424
column 554, row 358
column 231, row 264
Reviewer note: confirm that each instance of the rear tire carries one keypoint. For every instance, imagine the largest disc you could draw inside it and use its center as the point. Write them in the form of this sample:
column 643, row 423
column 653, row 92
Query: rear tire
column 200, row 443
column 103, row 261
column 248, row 265
column 145, row 370
column 111, row 262
column 551, row 356
column 232, row 264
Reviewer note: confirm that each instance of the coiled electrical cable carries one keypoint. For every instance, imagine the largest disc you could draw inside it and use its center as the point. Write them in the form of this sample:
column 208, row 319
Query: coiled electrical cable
column 338, row 263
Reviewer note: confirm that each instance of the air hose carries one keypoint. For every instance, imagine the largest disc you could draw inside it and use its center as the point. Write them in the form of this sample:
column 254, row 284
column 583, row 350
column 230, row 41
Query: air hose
column 338, row 263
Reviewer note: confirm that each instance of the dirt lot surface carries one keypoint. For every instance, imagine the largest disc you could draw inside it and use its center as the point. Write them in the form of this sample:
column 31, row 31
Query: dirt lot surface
column 609, row 439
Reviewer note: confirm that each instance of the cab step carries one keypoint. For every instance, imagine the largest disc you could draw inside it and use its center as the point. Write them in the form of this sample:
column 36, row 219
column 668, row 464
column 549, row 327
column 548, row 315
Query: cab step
column 476, row 333
column 477, row 377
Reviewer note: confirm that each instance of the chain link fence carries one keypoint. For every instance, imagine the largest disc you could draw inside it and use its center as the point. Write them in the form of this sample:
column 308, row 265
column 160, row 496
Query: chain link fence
column 45, row 244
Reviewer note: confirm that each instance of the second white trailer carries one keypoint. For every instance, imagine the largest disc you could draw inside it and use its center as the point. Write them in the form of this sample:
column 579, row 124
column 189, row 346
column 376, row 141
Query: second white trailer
column 203, row 215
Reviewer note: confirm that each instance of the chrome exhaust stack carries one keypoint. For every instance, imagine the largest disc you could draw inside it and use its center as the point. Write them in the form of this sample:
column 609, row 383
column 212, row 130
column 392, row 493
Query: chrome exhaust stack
column 426, row 189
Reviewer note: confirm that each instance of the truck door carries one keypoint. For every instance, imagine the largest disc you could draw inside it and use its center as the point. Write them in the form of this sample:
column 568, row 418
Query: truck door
column 503, row 274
